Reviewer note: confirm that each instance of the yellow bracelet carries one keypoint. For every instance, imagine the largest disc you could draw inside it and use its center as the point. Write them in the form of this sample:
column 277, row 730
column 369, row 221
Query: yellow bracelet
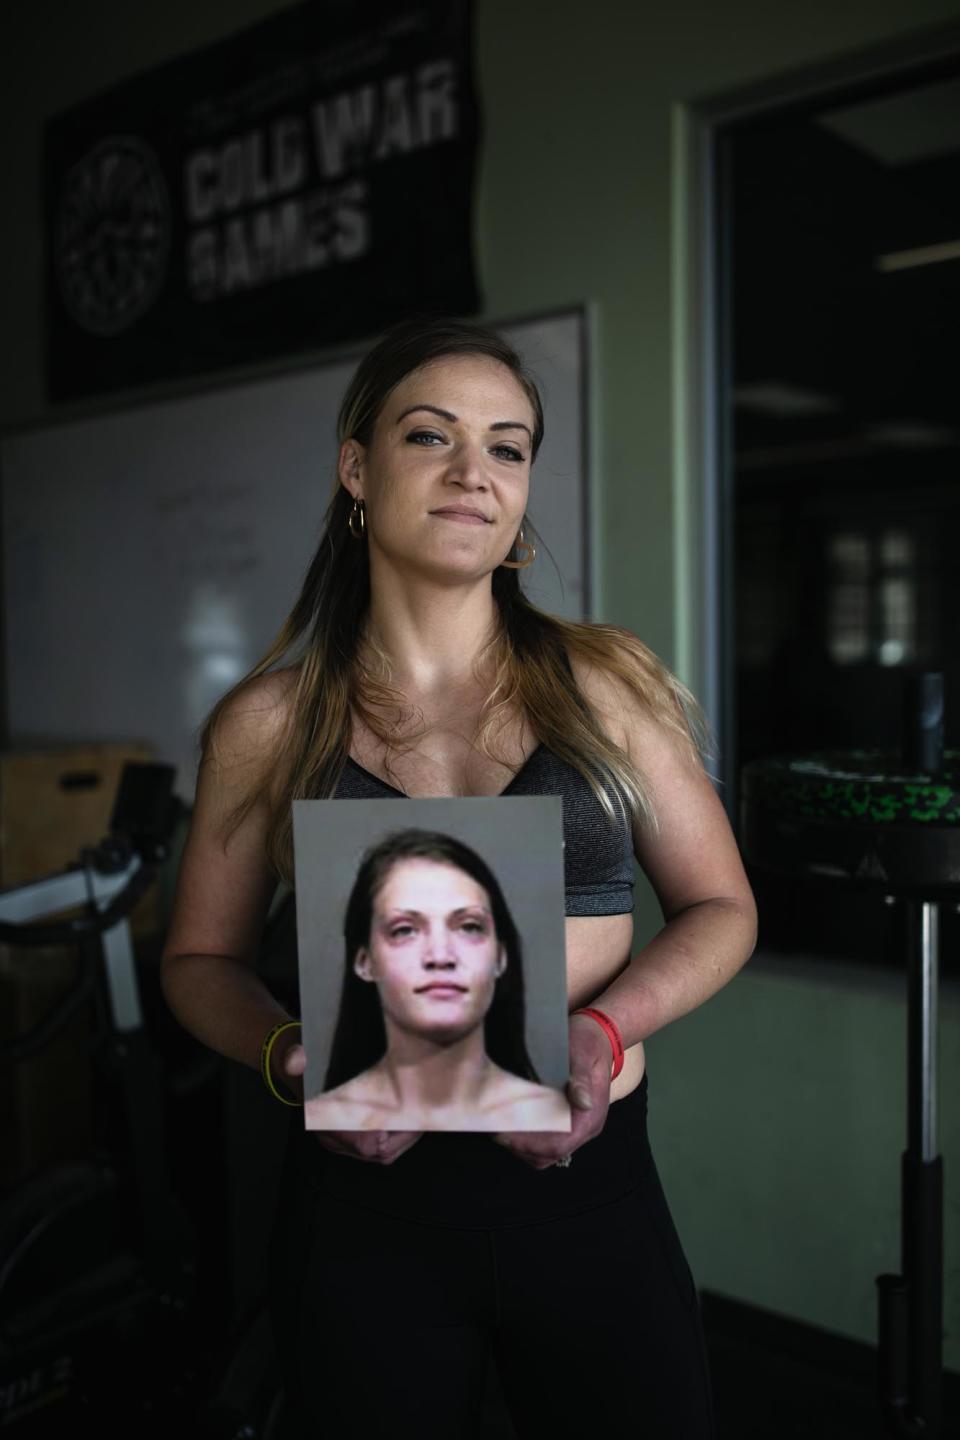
column 265, row 1050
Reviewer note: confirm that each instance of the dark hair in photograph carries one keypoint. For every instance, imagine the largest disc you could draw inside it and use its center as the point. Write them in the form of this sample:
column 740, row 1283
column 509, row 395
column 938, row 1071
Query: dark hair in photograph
column 360, row 1038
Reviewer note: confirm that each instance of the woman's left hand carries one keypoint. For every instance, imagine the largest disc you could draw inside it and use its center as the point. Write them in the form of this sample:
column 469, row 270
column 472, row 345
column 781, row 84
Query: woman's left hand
column 588, row 1089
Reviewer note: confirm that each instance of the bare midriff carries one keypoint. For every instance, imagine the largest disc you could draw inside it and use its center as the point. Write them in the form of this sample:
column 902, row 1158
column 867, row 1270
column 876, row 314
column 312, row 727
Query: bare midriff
column 598, row 949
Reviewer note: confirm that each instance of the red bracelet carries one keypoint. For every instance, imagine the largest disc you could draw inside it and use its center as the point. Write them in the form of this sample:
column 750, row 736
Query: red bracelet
column 612, row 1032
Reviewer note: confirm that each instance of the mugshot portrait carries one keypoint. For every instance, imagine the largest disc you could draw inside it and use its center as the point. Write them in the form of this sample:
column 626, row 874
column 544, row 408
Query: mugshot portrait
column 432, row 963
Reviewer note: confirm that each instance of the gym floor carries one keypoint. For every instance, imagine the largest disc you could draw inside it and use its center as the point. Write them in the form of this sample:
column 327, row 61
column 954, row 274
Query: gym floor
column 775, row 1377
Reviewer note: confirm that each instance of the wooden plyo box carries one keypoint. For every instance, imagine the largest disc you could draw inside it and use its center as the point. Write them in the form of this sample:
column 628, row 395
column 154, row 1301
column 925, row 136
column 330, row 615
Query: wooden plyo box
column 54, row 802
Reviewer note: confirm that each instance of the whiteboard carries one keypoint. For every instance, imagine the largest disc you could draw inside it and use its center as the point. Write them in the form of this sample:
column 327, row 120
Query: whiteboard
column 151, row 554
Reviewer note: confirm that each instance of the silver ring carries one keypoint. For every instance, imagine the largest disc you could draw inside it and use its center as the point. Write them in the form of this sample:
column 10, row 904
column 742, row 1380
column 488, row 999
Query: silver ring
column 564, row 1161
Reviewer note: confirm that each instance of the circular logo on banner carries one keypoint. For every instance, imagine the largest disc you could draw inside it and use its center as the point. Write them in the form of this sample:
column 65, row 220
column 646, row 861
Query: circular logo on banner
column 113, row 235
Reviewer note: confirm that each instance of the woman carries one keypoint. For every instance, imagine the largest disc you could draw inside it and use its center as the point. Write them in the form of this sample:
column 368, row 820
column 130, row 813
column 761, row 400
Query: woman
column 432, row 999
column 413, row 664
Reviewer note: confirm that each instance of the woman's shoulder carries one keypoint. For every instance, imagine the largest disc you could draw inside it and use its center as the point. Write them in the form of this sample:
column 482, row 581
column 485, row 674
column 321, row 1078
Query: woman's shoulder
column 612, row 671
column 248, row 722
column 354, row 1105
column 261, row 702
column 524, row 1105
column 640, row 703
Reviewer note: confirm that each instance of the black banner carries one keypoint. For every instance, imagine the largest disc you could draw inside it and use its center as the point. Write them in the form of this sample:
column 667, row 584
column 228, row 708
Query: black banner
column 305, row 182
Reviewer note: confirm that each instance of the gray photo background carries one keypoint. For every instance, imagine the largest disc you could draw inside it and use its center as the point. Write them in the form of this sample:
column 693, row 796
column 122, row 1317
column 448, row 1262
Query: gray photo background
column 520, row 838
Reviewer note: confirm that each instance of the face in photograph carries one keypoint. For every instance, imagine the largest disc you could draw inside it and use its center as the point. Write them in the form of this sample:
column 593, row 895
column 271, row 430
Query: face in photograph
column 433, row 951
column 431, row 957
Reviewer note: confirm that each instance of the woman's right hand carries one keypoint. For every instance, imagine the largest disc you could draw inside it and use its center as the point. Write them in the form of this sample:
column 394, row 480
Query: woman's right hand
column 380, row 1147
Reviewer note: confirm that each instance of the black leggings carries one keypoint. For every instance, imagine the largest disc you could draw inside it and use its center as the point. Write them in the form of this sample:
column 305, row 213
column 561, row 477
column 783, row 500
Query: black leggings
column 384, row 1324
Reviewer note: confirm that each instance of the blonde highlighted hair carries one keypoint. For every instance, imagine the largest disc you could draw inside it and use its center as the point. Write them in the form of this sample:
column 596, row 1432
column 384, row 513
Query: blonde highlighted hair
column 332, row 674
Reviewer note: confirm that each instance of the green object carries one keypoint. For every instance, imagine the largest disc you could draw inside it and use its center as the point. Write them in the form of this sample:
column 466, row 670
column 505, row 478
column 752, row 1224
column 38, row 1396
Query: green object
column 869, row 787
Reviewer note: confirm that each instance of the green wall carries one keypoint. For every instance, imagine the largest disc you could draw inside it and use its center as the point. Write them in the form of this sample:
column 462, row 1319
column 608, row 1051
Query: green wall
column 777, row 1110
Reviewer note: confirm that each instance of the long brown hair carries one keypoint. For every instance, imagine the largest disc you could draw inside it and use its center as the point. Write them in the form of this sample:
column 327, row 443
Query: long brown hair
column 332, row 676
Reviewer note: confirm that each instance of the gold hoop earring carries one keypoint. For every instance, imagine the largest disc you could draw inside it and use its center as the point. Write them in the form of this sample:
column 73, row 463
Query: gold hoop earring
column 529, row 554
column 357, row 513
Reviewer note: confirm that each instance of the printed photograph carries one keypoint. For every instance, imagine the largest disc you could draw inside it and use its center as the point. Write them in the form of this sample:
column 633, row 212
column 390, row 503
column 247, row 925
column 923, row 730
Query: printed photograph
column 432, row 963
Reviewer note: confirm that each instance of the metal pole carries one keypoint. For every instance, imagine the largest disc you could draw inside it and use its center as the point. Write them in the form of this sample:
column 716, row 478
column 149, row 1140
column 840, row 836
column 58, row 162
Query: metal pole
column 930, row 977
column 922, row 1175
column 922, row 1029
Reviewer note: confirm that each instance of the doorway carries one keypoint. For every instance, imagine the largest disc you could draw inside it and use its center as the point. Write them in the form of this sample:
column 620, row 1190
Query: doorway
column 831, row 391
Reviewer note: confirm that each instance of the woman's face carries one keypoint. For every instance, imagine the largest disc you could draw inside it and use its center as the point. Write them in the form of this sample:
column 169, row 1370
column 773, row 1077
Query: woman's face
column 433, row 951
column 446, row 475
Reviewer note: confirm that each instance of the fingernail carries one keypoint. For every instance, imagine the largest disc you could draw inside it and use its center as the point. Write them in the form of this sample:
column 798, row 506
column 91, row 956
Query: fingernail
column 581, row 1096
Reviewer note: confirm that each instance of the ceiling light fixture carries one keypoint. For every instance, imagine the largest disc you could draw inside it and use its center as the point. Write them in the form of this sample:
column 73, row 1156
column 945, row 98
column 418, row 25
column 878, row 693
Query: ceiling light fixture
column 924, row 255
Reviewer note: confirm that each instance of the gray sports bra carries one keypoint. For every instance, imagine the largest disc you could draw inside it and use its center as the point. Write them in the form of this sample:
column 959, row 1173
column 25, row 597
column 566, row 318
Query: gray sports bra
column 598, row 852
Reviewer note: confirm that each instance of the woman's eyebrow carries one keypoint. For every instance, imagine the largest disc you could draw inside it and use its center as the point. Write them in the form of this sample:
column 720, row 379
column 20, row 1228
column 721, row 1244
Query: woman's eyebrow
column 419, row 915
column 447, row 415
column 434, row 410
